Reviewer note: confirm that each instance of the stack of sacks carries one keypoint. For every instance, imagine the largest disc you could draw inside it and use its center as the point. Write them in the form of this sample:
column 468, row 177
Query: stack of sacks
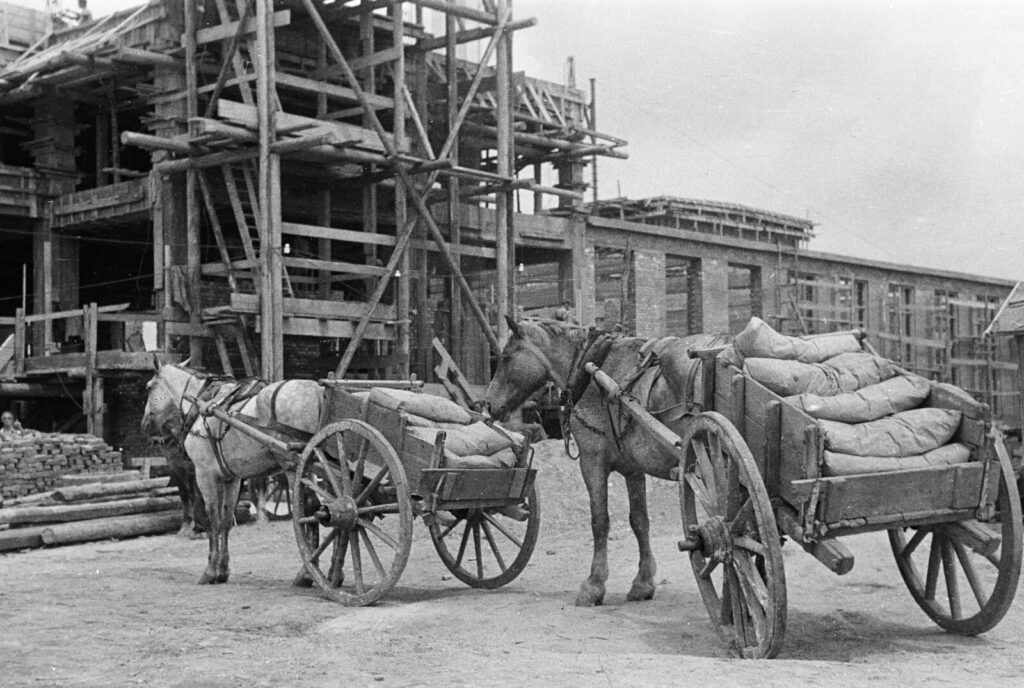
column 866, row 406
column 475, row 446
column 467, row 444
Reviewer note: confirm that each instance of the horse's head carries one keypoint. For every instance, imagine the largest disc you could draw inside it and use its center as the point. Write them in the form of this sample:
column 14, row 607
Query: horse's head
column 534, row 355
column 162, row 416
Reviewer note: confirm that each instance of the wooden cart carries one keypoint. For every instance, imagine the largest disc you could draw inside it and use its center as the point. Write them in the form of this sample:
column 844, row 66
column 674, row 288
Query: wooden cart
column 750, row 470
column 362, row 479
column 358, row 484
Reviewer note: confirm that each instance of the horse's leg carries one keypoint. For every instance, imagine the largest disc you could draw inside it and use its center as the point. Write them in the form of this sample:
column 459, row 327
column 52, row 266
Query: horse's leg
column 643, row 585
column 229, row 497
column 212, row 489
column 259, row 486
column 595, row 469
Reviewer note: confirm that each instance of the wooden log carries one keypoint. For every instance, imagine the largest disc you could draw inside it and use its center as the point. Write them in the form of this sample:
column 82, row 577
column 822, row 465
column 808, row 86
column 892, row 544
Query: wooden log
column 83, row 492
column 117, row 527
column 21, row 538
column 80, row 512
column 35, row 499
column 91, row 478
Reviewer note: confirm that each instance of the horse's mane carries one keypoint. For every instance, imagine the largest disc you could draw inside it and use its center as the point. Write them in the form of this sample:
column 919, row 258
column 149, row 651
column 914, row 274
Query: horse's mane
column 557, row 329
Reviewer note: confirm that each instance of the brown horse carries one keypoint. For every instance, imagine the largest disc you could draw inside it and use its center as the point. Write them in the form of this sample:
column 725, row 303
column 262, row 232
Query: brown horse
column 537, row 353
column 222, row 455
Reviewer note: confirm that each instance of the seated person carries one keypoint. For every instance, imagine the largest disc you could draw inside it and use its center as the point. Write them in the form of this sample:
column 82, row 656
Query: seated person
column 9, row 425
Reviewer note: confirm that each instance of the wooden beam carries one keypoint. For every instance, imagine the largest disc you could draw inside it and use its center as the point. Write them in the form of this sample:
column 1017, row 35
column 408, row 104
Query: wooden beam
column 428, row 44
column 332, row 90
column 349, row 235
column 247, row 116
column 228, row 29
column 458, row 11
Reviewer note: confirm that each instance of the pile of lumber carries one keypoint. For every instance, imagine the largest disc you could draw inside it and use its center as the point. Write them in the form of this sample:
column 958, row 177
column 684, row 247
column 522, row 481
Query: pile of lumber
column 34, row 462
column 111, row 505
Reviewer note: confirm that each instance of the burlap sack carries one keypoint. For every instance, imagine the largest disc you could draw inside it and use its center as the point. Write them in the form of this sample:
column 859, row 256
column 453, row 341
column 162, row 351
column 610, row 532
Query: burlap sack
column 906, row 433
column 478, row 438
column 901, row 393
column 506, row 458
column 845, row 464
column 426, row 405
column 759, row 340
column 843, row 373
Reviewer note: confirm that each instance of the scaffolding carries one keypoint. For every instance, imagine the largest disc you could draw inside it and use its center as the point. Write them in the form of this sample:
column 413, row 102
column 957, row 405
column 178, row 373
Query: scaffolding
column 299, row 168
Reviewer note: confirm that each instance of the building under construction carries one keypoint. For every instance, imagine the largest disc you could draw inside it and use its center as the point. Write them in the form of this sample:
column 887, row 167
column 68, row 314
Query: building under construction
column 300, row 187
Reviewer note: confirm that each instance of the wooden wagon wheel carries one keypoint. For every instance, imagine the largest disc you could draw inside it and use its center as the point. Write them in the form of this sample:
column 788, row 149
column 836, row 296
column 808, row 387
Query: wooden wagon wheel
column 732, row 538
column 979, row 560
column 277, row 497
column 487, row 548
column 351, row 512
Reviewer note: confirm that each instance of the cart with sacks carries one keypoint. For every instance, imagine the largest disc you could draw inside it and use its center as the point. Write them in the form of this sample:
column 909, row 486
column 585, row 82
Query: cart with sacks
column 817, row 438
column 391, row 455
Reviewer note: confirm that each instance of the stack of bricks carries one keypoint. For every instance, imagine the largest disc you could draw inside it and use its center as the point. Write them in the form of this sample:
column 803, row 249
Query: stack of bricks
column 35, row 462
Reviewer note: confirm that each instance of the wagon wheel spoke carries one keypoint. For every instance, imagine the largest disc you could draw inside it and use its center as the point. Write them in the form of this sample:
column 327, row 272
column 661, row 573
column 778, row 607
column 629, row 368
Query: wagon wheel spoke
column 749, row 544
column 754, row 593
column 462, row 546
column 494, row 546
column 707, row 471
column 707, row 502
column 328, row 539
column 357, row 565
column 337, row 572
column 320, row 492
column 372, row 551
column 339, row 447
column 952, row 584
column 308, row 519
column 934, row 559
column 971, row 573
column 739, row 616
column 503, row 530
column 448, row 531
column 709, row 567
column 720, row 466
column 918, row 538
column 752, row 578
column 373, row 485
column 360, row 469
column 381, row 535
column 329, row 470
column 477, row 549
column 743, row 516
column 378, row 509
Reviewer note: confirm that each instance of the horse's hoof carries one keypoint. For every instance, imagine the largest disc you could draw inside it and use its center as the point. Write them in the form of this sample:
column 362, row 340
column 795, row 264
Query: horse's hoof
column 641, row 591
column 302, row 580
column 207, row 579
column 589, row 597
column 195, row 535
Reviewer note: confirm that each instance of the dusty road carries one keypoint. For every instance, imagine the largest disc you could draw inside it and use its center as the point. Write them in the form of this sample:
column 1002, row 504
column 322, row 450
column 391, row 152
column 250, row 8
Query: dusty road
column 129, row 613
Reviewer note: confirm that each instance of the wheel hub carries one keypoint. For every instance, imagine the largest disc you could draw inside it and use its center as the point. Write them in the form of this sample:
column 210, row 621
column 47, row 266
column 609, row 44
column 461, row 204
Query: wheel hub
column 338, row 513
column 712, row 539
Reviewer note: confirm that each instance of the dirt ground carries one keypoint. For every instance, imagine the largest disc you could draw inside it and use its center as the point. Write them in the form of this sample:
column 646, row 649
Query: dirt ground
column 129, row 612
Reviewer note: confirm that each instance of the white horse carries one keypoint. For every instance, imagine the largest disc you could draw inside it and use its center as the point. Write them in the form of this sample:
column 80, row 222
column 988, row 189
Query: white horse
column 224, row 456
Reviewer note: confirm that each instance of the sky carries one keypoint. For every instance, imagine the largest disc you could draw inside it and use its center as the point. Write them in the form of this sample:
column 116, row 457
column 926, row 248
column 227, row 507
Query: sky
column 897, row 127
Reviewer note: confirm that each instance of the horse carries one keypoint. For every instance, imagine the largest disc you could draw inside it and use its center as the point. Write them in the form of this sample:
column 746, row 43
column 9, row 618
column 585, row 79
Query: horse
column 659, row 372
column 183, row 473
column 223, row 456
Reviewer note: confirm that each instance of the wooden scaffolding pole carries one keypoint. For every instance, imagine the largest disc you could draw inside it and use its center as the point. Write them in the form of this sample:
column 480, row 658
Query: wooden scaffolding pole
column 271, row 296
column 504, row 246
column 193, row 268
column 454, row 210
column 403, row 291
column 406, row 182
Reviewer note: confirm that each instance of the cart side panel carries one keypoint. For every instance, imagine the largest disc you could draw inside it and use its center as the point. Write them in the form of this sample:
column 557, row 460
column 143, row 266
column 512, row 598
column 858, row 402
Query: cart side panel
column 872, row 500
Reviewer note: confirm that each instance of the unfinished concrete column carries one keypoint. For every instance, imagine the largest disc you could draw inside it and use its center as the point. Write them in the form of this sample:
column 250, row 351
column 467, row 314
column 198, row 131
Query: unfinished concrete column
column 714, row 287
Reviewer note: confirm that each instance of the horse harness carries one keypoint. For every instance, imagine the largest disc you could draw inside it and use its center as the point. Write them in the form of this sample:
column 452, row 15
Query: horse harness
column 638, row 385
column 230, row 394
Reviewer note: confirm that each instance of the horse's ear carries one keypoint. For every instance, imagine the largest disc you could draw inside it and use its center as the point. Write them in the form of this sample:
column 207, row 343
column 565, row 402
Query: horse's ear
column 156, row 363
column 185, row 362
column 513, row 326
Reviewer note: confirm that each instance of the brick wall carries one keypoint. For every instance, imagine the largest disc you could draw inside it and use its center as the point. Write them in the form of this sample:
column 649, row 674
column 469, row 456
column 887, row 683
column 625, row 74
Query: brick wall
column 649, row 293
column 35, row 463
column 304, row 359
